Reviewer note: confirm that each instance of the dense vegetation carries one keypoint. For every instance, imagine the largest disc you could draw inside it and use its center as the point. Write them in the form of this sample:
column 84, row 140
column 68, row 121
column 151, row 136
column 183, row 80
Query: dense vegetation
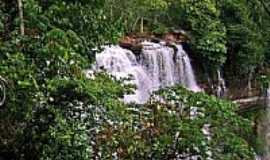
column 52, row 111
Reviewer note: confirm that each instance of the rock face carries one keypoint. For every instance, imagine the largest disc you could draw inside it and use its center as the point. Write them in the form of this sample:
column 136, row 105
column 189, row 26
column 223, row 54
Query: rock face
column 157, row 66
column 133, row 42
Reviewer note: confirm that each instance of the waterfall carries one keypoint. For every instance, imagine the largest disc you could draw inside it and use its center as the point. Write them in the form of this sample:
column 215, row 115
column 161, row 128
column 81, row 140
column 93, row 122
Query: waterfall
column 221, row 86
column 188, row 74
column 122, row 63
column 156, row 67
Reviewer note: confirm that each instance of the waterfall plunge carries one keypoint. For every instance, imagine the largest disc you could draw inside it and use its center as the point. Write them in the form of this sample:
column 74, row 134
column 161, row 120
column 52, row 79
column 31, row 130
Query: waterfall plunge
column 156, row 67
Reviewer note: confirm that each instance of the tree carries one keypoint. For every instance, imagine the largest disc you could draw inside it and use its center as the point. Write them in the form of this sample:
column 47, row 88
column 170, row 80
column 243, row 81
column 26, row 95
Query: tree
column 52, row 111
column 20, row 10
column 136, row 15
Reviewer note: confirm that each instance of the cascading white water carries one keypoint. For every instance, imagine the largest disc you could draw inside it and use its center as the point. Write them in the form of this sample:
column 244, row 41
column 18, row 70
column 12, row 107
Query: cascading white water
column 187, row 74
column 221, row 86
column 122, row 63
column 157, row 60
column 157, row 66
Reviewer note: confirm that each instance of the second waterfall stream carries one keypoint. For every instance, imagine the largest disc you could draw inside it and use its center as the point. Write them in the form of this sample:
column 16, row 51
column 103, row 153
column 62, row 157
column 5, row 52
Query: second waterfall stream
column 157, row 66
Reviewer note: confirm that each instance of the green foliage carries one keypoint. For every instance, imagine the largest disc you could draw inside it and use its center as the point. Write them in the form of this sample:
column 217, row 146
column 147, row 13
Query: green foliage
column 131, row 12
column 53, row 111
column 245, row 39
column 69, row 117
column 156, row 130
column 258, row 117
column 46, row 82
column 209, row 32
column 89, row 21
column 226, row 127
column 230, row 33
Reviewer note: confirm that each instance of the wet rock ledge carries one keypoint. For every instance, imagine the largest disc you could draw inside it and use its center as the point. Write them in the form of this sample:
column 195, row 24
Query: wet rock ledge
column 133, row 42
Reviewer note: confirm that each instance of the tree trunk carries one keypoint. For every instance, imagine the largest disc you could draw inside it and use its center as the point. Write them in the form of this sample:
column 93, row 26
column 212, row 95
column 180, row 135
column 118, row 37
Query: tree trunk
column 141, row 28
column 20, row 10
column 134, row 25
